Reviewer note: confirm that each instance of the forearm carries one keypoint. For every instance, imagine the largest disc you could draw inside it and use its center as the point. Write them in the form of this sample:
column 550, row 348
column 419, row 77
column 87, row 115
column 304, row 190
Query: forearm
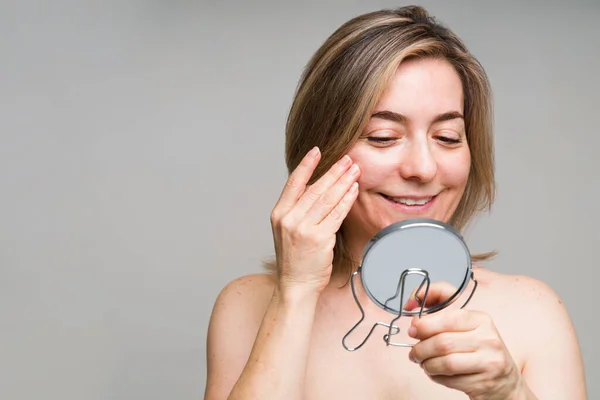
column 277, row 364
column 524, row 393
column 520, row 391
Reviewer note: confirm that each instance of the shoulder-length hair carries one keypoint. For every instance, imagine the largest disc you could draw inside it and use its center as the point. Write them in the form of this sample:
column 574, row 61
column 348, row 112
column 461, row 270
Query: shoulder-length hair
column 343, row 81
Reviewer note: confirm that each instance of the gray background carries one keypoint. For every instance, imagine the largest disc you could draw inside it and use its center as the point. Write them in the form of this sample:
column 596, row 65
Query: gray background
column 141, row 152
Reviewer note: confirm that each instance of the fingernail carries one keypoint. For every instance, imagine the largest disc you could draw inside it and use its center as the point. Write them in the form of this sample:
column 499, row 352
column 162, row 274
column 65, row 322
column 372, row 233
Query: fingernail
column 354, row 170
column 314, row 152
column 346, row 160
column 412, row 332
column 412, row 358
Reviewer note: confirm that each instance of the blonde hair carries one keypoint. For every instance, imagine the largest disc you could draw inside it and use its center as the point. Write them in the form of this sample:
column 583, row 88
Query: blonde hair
column 344, row 80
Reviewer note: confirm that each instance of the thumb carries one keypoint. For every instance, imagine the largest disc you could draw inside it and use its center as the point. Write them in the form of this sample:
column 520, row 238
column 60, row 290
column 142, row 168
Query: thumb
column 438, row 293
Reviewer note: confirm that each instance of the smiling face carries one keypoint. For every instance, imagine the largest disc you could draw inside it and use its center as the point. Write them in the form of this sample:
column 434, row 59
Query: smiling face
column 413, row 155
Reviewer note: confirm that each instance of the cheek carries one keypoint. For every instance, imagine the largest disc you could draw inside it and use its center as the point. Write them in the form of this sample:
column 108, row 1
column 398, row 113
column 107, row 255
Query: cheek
column 456, row 170
column 368, row 180
column 375, row 169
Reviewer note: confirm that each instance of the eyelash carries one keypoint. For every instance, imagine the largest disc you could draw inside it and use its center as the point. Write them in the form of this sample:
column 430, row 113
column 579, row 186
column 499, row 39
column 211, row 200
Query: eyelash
column 449, row 140
column 380, row 139
column 384, row 140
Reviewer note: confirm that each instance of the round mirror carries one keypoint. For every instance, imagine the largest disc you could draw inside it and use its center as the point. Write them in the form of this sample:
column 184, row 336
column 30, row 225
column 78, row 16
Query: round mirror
column 408, row 257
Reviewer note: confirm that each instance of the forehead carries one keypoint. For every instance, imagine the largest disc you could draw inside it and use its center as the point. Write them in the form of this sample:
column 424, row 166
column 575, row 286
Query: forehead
column 423, row 88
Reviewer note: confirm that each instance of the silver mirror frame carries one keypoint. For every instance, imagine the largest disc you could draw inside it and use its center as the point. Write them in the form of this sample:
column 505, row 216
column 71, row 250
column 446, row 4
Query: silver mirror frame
column 426, row 282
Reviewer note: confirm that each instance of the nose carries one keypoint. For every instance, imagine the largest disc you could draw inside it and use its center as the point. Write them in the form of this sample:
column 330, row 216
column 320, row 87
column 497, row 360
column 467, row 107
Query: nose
column 417, row 162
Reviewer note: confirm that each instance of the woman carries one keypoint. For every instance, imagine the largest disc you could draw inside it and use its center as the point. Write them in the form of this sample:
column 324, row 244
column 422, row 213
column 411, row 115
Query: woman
column 391, row 120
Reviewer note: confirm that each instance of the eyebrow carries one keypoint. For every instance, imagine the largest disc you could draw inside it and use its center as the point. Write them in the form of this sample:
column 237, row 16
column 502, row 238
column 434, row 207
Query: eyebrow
column 396, row 117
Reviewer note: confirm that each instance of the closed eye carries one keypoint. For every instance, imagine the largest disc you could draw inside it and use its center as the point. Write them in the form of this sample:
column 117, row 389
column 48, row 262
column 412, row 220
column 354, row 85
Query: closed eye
column 380, row 139
column 448, row 140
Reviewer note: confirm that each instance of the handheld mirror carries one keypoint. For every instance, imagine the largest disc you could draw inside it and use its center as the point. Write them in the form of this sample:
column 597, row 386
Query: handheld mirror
column 407, row 258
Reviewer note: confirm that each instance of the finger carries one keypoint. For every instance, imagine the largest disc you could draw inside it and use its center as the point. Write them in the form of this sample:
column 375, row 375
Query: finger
column 453, row 364
column 317, row 189
column 446, row 321
column 334, row 219
column 437, row 293
column 331, row 198
column 412, row 304
column 297, row 181
column 443, row 344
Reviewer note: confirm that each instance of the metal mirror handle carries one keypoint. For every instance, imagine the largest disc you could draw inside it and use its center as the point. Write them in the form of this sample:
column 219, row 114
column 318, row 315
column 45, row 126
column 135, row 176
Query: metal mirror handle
column 393, row 329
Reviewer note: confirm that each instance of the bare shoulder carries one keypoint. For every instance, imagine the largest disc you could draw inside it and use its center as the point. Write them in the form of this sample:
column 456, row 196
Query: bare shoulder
column 255, row 288
column 533, row 316
column 525, row 292
column 234, row 323
column 241, row 304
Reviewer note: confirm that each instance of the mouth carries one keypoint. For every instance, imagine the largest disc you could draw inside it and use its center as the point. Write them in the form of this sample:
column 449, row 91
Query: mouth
column 411, row 204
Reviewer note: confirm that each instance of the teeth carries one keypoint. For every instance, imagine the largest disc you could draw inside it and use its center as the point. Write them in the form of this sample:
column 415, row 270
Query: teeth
column 411, row 202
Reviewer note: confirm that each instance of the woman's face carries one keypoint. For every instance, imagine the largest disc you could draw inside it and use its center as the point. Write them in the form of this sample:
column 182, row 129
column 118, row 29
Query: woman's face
column 413, row 155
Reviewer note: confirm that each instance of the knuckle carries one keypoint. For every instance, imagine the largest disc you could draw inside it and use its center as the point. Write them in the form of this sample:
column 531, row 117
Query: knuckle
column 312, row 194
column 326, row 200
column 481, row 317
column 451, row 363
column 287, row 223
column 499, row 365
column 275, row 217
column 445, row 345
column 346, row 201
column 304, row 233
column 496, row 364
column 336, row 214
column 494, row 342
column 497, row 343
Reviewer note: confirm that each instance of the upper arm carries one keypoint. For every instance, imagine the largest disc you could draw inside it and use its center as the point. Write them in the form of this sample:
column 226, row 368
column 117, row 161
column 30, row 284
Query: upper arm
column 554, row 366
column 234, row 324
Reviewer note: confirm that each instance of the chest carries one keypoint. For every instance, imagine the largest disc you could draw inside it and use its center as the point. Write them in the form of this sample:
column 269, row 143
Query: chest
column 374, row 371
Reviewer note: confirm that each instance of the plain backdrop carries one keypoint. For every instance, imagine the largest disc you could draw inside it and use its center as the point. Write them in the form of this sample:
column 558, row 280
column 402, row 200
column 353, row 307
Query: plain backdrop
column 141, row 153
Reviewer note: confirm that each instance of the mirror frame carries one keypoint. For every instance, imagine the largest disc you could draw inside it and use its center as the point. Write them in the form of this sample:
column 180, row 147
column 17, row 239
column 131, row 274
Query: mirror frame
column 415, row 223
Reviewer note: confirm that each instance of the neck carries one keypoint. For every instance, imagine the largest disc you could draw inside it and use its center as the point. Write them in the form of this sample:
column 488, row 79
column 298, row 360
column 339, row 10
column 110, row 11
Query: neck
column 355, row 239
column 352, row 244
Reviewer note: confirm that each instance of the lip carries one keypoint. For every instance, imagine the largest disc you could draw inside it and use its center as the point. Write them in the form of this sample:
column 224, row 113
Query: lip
column 416, row 209
column 412, row 197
